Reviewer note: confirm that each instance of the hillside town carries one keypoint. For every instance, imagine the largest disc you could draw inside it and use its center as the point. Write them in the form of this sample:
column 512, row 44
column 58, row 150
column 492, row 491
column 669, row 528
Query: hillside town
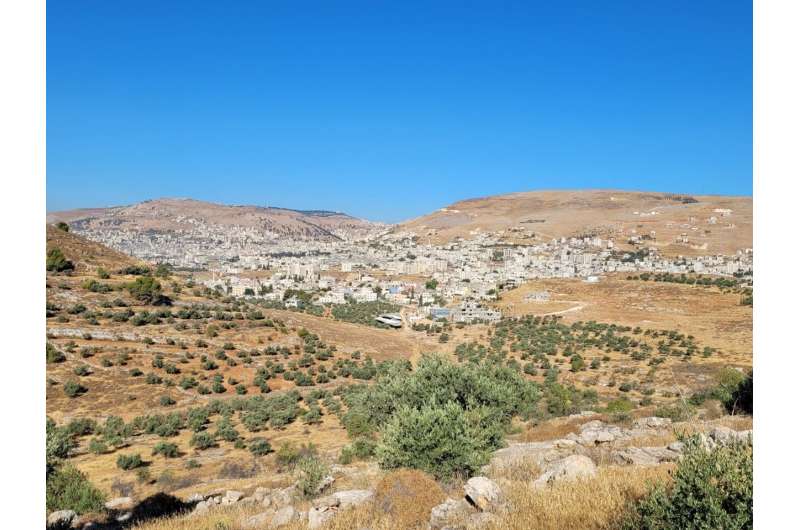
column 450, row 281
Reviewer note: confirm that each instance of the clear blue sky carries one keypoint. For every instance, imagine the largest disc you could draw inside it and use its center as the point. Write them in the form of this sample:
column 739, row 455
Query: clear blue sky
column 388, row 110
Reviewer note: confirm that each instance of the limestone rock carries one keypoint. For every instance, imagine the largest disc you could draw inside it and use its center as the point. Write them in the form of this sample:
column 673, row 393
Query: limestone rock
column 259, row 520
column 644, row 456
column 119, row 503
column 449, row 511
column 597, row 432
column 232, row 496
column 652, row 422
column 283, row 516
column 676, row 447
column 195, row 497
column 260, row 493
column 319, row 516
column 569, row 468
column 61, row 518
column 483, row 493
column 349, row 498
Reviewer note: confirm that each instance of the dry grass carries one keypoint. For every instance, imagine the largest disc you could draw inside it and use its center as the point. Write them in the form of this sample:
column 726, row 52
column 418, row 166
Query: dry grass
column 591, row 504
column 551, row 430
column 406, row 497
column 595, row 503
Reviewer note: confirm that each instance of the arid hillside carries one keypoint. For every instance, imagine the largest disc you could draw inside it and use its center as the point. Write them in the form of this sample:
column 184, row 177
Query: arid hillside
column 177, row 215
column 712, row 224
column 87, row 255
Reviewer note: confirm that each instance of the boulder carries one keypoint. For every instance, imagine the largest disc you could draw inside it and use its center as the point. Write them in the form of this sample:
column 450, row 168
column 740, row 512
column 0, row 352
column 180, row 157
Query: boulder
column 260, row 493
column 676, row 447
column 61, row 518
column 644, row 456
column 569, row 468
column 349, row 498
column 652, row 422
column 283, row 516
column 532, row 453
column 597, row 432
column 259, row 520
column 483, row 493
column 195, row 497
column 201, row 508
column 330, row 501
column 280, row 498
column 723, row 435
column 565, row 443
column 319, row 516
column 232, row 497
column 448, row 512
column 119, row 503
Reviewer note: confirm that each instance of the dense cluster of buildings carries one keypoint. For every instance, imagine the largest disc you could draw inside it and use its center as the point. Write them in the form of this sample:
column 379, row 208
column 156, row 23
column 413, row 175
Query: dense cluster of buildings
column 450, row 281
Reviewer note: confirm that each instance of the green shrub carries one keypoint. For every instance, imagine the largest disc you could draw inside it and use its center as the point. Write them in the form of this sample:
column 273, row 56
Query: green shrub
column 289, row 455
column 127, row 462
column 167, row 449
column 97, row 446
column 147, row 290
column 54, row 355
column 59, row 443
column 441, row 440
column 73, row 389
column 711, row 489
column 260, row 446
column 312, row 471
column 202, row 440
column 57, row 262
column 69, row 489
column 360, row 449
column 678, row 411
column 741, row 396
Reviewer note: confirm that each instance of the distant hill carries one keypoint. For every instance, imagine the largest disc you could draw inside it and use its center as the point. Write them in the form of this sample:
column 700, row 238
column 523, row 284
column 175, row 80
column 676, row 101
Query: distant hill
column 181, row 215
column 618, row 214
column 85, row 254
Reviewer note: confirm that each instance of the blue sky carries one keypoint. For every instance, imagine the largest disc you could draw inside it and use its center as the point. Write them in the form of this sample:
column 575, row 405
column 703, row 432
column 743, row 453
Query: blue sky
column 388, row 110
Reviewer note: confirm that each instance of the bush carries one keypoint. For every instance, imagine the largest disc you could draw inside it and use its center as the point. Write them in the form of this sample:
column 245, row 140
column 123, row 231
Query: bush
column 360, row 449
column 147, row 289
column 202, row 440
column 440, row 440
column 127, row 462
column 59, row 443
column 54, row 355
column 97, row 446
column 679, row 411
column 69, row 489
column 711, row 489
column 167, row 449
column 73, row 389
column 57, row 262
column 288, row 455
column 741, row 397
column 260, row 446
column 312, row 472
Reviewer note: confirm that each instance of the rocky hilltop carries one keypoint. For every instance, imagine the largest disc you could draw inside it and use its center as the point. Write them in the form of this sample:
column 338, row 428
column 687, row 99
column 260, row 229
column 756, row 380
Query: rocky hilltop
column 674, row 223
column 169, row 229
